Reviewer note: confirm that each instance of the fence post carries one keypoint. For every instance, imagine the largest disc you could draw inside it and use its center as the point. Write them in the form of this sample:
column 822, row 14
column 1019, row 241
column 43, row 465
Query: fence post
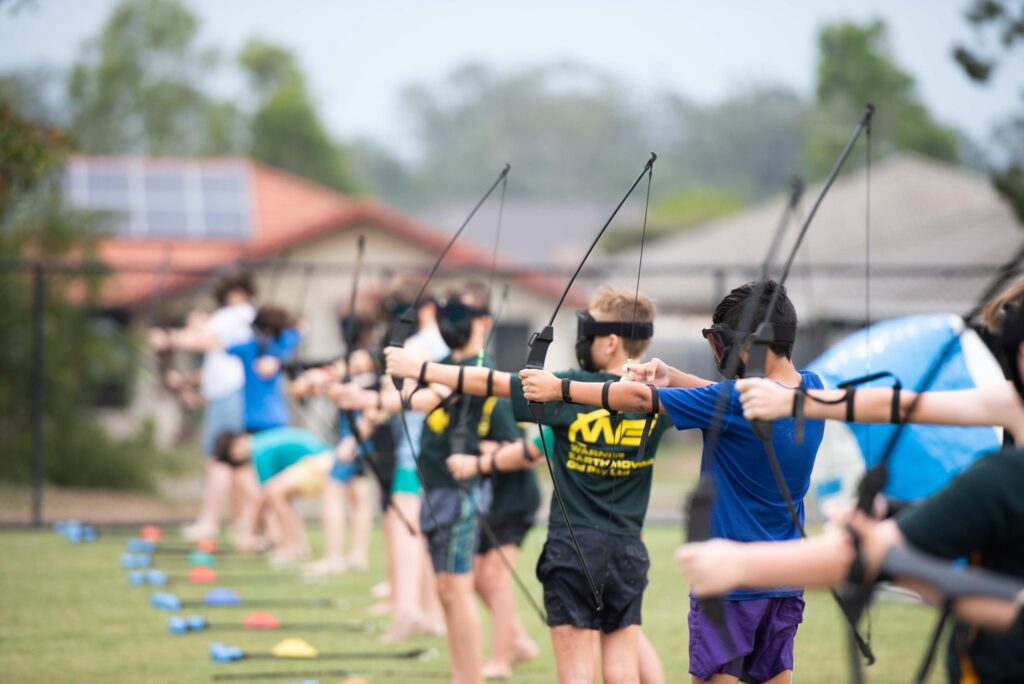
column 37, row 392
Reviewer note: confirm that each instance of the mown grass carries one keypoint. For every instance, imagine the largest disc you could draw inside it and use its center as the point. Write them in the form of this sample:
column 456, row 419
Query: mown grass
column 68, row 615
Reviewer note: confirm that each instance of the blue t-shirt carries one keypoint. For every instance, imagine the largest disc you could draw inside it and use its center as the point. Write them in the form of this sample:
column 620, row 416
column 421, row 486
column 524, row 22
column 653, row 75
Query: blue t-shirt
column 265, row 402
column 749, row 505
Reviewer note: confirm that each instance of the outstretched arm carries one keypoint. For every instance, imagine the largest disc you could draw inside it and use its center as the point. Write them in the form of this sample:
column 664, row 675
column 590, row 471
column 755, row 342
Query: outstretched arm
column 719, row 566
column 990, row 405
column 350, row 396
column 402, row 364
column 658, row 373
column 629, row 397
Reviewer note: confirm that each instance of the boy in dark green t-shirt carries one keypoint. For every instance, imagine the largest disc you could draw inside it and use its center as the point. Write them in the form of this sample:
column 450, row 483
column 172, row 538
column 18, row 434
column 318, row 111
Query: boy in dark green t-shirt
column 604, row 480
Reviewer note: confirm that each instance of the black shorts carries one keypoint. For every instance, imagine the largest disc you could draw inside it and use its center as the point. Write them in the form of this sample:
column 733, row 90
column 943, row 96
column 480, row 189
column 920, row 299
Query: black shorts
column 507, row 531
column 619, row 566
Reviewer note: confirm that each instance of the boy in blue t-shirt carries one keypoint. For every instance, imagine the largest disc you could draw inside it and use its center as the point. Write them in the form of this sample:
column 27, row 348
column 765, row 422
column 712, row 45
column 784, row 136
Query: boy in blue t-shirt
column 274, row 341
column 749, row 507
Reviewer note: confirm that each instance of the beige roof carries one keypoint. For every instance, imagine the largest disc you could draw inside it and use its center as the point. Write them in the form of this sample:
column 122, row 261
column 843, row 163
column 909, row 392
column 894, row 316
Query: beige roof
column 938, row 232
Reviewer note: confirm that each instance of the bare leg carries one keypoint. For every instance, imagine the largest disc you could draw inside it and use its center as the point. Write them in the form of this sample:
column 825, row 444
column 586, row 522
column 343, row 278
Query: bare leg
column 361, row 515
column 278, row 491
column 216, row 490
column 574, row 654
column 250, row 498
column 465, row 642
column 620, row 660
column 509, row 642
column 332, row 518
column 651, row 669
column 408, row 554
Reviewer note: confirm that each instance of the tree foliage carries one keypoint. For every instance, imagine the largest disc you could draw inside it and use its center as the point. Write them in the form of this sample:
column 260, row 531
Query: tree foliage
column 1000, row 28
column 286, row 131
column 856, row 66
column 34, row 222
column 139, row 86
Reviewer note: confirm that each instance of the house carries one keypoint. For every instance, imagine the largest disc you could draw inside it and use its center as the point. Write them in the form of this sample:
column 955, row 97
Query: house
column 179, row 222
column 937, row 234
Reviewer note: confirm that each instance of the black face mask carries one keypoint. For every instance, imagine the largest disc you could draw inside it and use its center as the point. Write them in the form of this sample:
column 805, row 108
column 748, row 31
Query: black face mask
column 1012, row 336
column 455, row 321
column 587, row 329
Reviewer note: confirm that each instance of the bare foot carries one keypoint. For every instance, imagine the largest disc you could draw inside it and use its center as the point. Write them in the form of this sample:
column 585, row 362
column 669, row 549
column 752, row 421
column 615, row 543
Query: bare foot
column 380, row 608
column 381, row 590
column 496, row 671
column 325, row 567
column 287, row 557
column 357, row 563
column 401, row 629
column 525, row 650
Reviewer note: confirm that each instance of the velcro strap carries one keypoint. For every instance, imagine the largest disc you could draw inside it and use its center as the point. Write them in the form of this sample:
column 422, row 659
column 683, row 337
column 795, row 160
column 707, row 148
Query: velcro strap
column 566, row 382
column 851, row 392
column 490, row 382
column 604, row 395
column 894, row 415
column 458, row 383
column 655, row 401
column 422, row 380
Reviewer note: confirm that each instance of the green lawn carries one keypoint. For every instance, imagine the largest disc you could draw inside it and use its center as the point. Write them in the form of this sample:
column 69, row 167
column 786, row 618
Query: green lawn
column 67, row 614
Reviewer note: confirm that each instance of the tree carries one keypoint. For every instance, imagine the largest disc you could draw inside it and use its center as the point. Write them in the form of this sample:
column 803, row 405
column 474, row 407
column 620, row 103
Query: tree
column 138, row 87
column 856, row 66
column 286, row 131
column 34, row 223
column 1000, row 22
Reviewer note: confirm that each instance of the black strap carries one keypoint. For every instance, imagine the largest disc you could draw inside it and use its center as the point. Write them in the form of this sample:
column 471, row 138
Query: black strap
column 851, row 392
column 458, row 383
column 422, row 380
column 566, row 382
column 649, row 422
column 490, row 382
column 604, row 396
column 894, row 415
column 933, row 644
column 857, row 571
column 526, row 453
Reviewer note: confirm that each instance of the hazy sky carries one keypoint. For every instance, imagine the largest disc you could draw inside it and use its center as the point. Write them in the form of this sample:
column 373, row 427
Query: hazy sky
column 359, row 54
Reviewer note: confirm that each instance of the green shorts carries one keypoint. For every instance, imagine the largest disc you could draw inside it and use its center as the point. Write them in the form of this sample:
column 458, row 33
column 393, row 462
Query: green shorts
column 406, row 481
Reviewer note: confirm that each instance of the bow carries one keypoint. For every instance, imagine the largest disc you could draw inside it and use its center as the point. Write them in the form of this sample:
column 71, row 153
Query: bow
column 698, row 513
column 348, row 338
column 702, row 500
column 539, row 343
column 877, row 477
column 406, row 323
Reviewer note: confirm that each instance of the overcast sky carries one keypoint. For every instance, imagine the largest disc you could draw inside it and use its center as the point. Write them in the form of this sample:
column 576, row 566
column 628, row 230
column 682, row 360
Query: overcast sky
column 360, row 54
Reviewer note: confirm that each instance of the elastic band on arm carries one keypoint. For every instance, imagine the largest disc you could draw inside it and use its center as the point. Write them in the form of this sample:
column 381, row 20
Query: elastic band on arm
column 490, row 382
column 566, row 398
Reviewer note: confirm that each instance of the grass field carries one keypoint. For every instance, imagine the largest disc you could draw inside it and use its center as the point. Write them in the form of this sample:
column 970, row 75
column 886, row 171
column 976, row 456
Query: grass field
column 67, row 614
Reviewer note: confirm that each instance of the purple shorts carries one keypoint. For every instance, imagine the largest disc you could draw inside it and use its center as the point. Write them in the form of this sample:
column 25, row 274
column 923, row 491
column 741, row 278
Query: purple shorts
column 762, row 632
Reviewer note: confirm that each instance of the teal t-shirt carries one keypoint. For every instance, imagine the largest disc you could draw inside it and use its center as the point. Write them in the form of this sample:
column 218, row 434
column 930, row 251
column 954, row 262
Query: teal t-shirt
column 436, row 442
column 275, row 449
column 604, row 484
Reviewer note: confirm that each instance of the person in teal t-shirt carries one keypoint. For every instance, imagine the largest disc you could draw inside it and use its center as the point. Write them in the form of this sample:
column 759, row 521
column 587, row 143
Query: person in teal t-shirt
column 272, row 467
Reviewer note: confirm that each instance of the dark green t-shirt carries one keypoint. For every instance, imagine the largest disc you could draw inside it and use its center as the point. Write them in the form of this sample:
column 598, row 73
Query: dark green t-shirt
column 603, row 483
column 516, row 493
column 979, row 516
column 435, row 445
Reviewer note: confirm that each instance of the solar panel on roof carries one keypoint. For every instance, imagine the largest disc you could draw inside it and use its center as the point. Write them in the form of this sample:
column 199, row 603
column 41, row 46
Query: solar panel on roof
column 190, row 200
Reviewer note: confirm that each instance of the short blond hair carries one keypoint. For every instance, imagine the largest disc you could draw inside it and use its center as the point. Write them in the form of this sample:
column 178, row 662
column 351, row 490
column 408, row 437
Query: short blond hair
column 620, row 304
column 992, row 312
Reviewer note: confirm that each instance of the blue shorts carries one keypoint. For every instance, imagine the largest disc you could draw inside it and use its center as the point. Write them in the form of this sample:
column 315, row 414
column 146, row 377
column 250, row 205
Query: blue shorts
column 452, row 537
column 344, row 472
column 225, row 414
column 761, row 631
column 405, row 456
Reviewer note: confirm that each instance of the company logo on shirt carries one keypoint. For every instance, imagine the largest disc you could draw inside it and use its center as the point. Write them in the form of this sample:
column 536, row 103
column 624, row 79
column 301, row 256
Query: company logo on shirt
column 438, row 420
column 596, row 427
